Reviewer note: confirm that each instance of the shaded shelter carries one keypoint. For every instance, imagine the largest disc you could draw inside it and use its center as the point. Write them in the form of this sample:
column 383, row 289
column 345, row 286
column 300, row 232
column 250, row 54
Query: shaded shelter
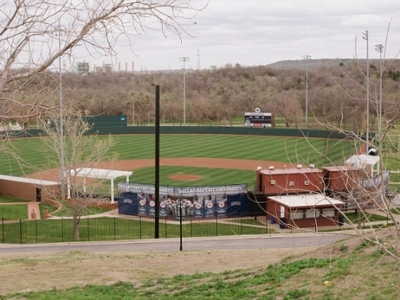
column 104, row 174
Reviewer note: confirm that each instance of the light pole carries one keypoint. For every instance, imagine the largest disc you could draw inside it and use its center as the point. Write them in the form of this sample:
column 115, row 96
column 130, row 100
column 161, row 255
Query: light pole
column 306, row 57
column 184, row 60
column 365, row 37
column 60, row 96
column 133, row 111
column 379, row 48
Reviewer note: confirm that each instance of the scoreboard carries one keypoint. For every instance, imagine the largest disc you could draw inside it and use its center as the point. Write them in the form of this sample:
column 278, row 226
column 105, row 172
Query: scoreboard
column 258, row 119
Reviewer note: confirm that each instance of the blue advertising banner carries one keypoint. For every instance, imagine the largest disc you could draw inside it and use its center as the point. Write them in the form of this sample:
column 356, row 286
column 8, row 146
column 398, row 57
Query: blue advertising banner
column 164, row 204
column 237, row 205
column 152, row 206
column 198, row 207
column 233, row 189
column 128, row 204
column 209, row 207
column 221, row 206
column 193, row 202
column 142, row 205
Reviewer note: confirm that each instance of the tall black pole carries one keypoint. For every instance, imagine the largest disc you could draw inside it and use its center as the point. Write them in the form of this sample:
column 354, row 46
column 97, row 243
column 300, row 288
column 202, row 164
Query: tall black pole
column 157, row 166
column 180, row 225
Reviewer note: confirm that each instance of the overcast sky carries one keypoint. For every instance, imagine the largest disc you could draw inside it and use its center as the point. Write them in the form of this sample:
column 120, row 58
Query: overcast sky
column 256, row 32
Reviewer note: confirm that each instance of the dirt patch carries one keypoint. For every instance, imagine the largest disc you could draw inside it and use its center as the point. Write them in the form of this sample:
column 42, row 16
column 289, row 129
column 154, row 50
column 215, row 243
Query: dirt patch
column 46, row 271
column 185, row 177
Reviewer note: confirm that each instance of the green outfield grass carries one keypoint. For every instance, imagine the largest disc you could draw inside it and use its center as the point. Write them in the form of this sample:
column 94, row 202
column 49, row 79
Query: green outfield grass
column 285, row 149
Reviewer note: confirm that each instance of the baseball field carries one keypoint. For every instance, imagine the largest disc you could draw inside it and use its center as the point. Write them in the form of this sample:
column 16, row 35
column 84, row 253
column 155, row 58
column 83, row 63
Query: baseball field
column 212, row 159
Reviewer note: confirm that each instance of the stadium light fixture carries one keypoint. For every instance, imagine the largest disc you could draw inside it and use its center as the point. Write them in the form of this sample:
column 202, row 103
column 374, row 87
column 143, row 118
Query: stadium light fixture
column 379, row 48
column 306, row 57
column 184, row 60
column 365, row 37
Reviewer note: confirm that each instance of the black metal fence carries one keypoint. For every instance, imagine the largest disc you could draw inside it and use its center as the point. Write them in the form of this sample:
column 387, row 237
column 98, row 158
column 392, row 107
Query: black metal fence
column 107, row 229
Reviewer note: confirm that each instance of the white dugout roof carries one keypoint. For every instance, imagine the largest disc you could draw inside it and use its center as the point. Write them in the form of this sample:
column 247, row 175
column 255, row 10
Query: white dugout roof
column 306, row 200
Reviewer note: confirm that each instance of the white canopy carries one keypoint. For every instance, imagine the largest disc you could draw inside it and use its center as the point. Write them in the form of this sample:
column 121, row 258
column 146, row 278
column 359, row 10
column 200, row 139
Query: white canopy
column 100, row 174
column 362, row 160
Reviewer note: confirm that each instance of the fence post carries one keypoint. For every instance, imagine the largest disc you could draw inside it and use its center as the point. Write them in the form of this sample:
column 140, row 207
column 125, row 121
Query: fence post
column 88, row 229
column 62, row 230
column 20, row 231
column 216, row 225
column 165, row 227
column 115, row 230
column 241, row 224
column 2, row 230
column 140, row 228
column 36, row 234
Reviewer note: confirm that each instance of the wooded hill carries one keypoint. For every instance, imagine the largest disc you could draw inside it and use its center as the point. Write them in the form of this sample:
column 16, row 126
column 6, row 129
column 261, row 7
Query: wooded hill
column 336, row 93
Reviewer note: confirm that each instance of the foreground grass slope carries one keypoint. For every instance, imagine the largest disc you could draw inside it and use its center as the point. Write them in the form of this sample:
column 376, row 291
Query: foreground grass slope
column 350, row 269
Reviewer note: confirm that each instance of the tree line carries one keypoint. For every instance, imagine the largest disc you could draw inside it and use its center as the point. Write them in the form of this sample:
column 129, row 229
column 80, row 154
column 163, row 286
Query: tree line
column 335, row 95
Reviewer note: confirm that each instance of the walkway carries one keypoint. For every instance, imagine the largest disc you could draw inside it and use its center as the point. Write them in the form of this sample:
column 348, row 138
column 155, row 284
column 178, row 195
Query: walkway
column 33, row 211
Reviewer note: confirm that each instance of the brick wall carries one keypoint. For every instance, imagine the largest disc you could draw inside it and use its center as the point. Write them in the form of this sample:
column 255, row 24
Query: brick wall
column 27, row 191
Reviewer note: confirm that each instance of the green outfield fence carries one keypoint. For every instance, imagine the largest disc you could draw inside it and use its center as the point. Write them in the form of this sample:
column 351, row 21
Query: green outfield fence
column 117, row 130
column 117, row 124
column 108, row 229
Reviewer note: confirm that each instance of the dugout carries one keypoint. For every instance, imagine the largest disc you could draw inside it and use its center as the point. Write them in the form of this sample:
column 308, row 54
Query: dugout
column 303, row 211
column 257, row 203
column 29, row 188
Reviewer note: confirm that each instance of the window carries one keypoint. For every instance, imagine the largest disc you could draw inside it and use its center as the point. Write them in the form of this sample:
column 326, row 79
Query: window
column 282, row 212
column 296, row 214
column 312, row 213
column 306, row 182
column 328, row 212
column 273, row 182
column 291, row 183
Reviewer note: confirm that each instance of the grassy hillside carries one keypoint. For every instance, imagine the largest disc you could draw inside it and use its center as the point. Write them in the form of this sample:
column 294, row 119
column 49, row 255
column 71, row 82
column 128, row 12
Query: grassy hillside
column 349, row 269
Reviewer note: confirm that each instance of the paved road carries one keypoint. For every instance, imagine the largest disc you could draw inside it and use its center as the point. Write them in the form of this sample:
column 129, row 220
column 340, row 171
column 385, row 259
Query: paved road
column 220, row 243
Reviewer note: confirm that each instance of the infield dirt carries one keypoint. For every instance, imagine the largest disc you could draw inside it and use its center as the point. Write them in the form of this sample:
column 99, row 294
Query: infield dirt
column 126, row 165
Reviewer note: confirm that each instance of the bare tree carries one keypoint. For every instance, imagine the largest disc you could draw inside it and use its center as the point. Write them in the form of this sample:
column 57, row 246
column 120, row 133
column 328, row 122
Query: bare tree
column 289, row 107
column 34, row 33
column 72, row 144
column 365, row 178
column 144, row 108
column 201, row 110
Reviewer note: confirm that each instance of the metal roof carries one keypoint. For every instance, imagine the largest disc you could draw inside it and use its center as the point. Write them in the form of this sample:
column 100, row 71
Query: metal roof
column 306, row 200
column 339, row 168
column 29, row 180
column 99, row 173
column 299, row 170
